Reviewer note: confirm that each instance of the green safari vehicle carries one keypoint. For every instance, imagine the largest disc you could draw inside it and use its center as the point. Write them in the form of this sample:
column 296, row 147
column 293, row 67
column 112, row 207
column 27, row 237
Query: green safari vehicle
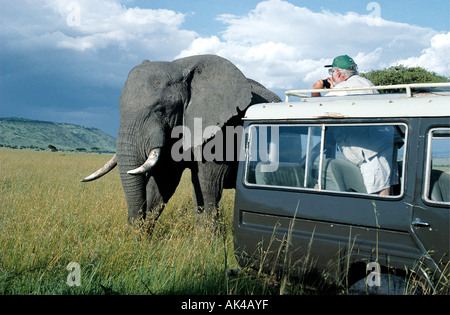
column 354, row 190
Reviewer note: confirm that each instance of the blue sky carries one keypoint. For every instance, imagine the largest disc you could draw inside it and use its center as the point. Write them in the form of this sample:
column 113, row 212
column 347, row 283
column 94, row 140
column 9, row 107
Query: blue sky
column 67, row 60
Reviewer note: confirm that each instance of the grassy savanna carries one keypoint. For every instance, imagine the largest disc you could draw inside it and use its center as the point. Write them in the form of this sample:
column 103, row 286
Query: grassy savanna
column 48, row 219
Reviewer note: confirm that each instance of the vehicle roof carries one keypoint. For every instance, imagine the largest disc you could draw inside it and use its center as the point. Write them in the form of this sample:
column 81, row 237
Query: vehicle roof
column 421, row 104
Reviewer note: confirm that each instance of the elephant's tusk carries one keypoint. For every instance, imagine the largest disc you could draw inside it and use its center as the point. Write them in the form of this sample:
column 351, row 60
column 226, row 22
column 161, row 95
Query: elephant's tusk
column 105, row 169
column 147, row 166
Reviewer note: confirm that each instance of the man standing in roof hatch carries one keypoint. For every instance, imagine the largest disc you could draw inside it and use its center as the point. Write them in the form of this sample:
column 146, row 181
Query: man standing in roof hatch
column 373, row 148
column 343, row 74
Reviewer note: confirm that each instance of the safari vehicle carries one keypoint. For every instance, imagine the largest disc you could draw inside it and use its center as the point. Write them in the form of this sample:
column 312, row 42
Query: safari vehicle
column 302, row 206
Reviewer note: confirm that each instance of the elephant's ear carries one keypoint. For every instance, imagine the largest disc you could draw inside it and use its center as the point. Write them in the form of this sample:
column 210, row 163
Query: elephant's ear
column 261, row 94
column 218, row 91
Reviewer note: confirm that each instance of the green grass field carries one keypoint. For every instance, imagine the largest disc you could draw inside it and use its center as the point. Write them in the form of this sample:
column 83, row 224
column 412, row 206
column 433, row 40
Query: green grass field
column 48, row 219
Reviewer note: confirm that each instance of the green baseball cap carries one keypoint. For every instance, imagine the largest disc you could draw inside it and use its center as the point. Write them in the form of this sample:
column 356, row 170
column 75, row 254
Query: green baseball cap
column 343, row 62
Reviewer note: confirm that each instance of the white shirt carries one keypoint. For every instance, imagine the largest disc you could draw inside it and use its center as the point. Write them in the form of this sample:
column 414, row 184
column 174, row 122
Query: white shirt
column 353, row 81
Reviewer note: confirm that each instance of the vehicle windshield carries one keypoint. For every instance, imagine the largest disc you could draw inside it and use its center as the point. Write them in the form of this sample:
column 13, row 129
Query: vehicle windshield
column 365, row 159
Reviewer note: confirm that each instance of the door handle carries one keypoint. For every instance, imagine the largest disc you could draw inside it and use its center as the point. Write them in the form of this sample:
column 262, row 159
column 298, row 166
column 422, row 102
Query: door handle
column 418, row 223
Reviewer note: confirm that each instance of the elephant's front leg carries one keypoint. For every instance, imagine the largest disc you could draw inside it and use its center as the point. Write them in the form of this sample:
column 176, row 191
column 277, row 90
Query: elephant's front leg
column 208, row 179
column 160, row 188
column 154, row 204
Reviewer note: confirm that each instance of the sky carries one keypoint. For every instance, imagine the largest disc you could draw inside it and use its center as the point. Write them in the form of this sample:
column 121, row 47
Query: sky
column 67, row 60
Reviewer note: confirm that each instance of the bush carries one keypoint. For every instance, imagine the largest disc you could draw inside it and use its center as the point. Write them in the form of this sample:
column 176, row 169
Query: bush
column 402, row 75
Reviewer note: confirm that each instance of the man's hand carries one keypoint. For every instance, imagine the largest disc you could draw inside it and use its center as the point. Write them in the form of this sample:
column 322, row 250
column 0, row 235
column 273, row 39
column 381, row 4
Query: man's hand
column 330, row 80
column 319, row 85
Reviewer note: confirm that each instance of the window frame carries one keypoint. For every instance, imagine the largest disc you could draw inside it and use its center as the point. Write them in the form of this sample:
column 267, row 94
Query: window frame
column 429, row 167
column 323, row 126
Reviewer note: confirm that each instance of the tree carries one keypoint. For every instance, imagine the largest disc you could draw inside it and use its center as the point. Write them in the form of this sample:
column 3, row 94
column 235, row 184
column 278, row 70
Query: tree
column 402, row 75
column 52, row 148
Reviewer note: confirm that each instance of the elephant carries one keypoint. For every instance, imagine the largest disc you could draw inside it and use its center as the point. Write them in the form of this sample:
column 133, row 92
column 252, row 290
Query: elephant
column 161, row 96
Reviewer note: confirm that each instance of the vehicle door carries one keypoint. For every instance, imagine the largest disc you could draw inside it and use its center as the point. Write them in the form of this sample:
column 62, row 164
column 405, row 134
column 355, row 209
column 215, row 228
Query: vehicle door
column 431, row 212
column 307, row 174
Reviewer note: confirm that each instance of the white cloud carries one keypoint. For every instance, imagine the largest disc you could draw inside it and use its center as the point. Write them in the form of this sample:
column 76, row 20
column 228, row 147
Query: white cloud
column 435, row 57
column 285, row 46
column 104, row 24
column 279, row 44
column 95, row 42
column 86, row 25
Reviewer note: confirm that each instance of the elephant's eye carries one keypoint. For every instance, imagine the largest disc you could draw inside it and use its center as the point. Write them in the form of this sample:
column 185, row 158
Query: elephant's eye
column 160, row 110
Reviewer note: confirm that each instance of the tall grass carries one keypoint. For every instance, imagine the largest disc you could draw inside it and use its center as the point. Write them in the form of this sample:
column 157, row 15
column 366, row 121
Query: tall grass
column 48, row 219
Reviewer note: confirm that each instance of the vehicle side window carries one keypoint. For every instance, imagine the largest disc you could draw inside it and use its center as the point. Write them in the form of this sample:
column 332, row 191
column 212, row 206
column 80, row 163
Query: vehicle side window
column 437, row 183
column 356, row 159
column 280, row 155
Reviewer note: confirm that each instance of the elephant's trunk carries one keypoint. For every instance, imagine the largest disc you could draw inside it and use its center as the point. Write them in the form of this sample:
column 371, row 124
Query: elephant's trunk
column 147, row 166
column 133, row 165
column 134, row 188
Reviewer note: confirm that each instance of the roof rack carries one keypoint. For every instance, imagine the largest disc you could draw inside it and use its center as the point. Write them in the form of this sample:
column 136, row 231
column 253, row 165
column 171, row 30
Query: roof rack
column 408, row 87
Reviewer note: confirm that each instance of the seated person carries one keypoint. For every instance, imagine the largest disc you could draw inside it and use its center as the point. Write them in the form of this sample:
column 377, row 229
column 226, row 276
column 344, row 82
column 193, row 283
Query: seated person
column 374, row 150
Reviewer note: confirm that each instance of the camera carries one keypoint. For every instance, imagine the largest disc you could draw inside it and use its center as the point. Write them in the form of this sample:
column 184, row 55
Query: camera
column 326, row 84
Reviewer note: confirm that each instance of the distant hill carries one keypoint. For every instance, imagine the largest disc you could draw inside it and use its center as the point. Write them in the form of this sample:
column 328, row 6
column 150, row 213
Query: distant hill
column 35, row 134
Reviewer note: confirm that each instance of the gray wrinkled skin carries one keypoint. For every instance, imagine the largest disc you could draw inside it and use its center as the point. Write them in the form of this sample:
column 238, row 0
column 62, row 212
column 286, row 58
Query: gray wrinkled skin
column 157, row 97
